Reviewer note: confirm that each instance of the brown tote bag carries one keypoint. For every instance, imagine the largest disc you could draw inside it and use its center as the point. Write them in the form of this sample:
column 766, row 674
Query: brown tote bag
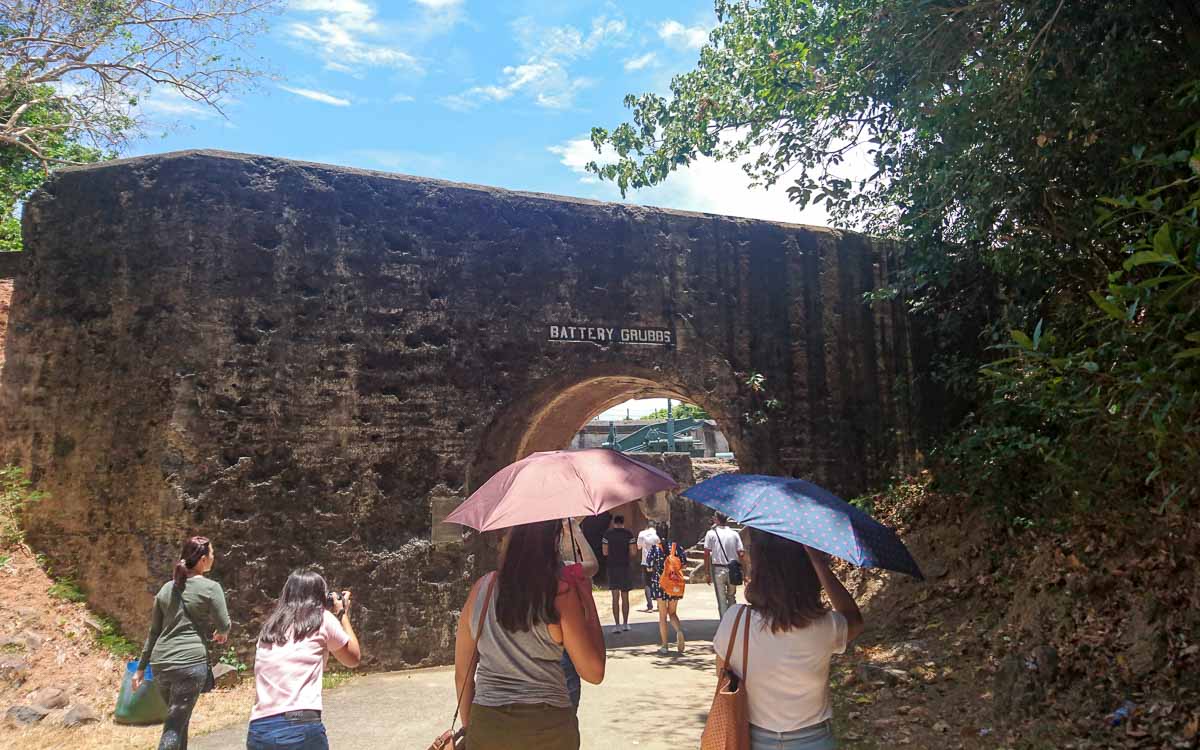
column 451, row 740
column 728, row 725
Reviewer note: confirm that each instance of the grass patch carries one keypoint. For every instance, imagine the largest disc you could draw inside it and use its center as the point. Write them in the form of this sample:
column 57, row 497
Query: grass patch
column 111, row 639
column 67, row 590
column 331, row 680
column 231, row 658
column 15, row 497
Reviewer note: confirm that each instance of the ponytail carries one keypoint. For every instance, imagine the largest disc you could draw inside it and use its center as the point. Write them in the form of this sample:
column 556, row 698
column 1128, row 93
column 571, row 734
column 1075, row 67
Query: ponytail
column 194, row 550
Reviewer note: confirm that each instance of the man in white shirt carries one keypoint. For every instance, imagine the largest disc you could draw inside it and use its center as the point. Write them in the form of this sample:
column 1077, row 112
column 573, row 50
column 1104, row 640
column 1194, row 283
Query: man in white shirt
column 722, row 547
column 646, row 541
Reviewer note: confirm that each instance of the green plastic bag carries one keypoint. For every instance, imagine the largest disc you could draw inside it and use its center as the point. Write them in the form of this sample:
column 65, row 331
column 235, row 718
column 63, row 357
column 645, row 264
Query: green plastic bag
column 146, row 706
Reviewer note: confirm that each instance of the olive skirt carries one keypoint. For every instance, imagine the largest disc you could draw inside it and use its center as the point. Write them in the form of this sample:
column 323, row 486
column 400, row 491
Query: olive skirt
column 522, row 727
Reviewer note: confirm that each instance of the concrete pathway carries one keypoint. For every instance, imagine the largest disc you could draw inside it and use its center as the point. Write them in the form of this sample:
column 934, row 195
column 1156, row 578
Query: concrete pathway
column 646, row 701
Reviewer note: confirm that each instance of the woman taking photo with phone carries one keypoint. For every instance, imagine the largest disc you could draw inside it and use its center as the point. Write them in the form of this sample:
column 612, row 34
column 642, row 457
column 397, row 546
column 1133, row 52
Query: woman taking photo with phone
column 532, row 609
column 189, row 610
column 792, row 638
column 289, row 663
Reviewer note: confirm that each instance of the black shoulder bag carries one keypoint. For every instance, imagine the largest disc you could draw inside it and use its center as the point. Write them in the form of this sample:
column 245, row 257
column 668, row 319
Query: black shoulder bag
column 735, row 566
column 210, row 681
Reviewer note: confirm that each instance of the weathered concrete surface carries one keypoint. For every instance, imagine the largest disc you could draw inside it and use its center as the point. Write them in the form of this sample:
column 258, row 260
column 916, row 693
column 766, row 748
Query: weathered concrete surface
column 298, row 360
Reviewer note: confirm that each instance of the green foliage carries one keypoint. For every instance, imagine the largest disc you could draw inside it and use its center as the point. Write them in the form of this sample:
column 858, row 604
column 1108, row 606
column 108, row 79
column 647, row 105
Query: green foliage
column 1109, row 407
column 21, row 172
column 231, row 658
column 992, row 126
column 67, row 590
column 993, row 129
column 680, row 411
column 15, row 497
column 335, row 678
column 110, row 639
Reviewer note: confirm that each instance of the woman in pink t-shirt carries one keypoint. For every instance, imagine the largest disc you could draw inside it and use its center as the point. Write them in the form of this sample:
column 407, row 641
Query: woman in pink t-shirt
column 290, row 662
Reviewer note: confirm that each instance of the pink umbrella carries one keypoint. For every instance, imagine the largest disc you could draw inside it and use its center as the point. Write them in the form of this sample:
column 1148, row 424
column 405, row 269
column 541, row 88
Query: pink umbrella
column 559, row 484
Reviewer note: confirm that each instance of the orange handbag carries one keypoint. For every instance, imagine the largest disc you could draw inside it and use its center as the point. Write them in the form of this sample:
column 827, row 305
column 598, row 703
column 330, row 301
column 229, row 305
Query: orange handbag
column 672, row 581
column 728, row 724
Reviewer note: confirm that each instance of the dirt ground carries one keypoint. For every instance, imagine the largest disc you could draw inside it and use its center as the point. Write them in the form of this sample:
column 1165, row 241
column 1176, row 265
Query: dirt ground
column 56, row 638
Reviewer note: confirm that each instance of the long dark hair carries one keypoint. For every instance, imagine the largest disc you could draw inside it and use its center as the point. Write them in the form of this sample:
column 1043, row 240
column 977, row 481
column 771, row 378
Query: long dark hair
column 783, row 586
column 528, row 580
column 299, row 611
column 194, row 550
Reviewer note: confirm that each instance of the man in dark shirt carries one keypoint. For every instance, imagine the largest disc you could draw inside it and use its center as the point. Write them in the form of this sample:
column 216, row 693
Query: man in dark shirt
column 618, row 549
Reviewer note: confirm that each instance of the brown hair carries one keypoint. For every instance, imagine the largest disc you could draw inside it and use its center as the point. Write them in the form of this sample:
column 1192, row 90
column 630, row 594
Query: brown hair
column 528, row 577
column 194, row 550
column 783, row 585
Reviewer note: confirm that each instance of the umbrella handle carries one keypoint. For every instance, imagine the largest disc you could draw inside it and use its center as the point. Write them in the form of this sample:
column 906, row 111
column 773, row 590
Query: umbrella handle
column 574, row 545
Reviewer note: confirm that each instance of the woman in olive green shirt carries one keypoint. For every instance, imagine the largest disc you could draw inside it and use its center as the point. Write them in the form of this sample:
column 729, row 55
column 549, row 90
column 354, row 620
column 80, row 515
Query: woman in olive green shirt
column 188, row 610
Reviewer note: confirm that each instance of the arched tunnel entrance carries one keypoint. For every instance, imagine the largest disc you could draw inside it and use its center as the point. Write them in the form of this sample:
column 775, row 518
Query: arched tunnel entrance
column 559, row 419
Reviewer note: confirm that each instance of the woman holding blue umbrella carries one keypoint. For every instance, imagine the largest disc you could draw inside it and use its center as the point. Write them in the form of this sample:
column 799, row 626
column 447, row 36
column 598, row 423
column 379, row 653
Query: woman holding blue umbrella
column 782, row 654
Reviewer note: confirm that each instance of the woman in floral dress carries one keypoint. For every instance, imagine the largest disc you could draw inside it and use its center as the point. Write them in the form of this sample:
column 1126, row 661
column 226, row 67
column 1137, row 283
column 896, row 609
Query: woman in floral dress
column 656, row 559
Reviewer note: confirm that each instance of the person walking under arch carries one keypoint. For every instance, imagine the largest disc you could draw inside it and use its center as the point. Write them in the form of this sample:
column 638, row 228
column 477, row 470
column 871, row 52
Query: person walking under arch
column 792, row 640
column 646, row 541
column 289, row 663
column 189, row 610
column 667, row 604
column 532, row 610
column 618, row 549
column 723, row 555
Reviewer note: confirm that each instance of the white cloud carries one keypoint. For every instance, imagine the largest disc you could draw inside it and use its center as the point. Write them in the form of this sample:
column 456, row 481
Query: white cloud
column 707, row 185
column 545, row 74
column 318, row 96
column 348, row 36
column 401, row 99
column 640, row 62
column 166, row 101
column 684, row 37
column 439, row 4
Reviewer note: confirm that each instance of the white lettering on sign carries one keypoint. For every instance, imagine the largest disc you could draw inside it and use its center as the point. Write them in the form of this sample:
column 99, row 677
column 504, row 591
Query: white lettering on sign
column 576, row 334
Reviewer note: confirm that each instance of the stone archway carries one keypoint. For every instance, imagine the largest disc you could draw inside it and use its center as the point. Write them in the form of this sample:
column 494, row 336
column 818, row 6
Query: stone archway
column 548, row 421
column 303, row 361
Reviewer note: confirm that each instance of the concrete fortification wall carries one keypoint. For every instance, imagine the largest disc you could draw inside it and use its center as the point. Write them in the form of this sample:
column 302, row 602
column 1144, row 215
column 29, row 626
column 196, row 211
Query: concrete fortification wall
column 312, row 364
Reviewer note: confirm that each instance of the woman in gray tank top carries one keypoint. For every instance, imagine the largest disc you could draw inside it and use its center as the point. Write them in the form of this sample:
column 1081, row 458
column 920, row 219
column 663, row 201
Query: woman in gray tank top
column 517, row 698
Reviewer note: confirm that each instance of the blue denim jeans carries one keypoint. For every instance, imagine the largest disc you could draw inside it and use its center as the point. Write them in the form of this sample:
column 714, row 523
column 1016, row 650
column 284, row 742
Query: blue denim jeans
column 816, row 737
column 573, row 685
column 278, row 732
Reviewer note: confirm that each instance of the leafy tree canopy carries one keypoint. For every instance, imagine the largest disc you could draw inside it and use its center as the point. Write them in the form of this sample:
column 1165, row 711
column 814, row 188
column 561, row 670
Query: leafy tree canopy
column 1041, row 161
column 21, row 172
column 680, row 411
column 74, row 74
column 993, row 125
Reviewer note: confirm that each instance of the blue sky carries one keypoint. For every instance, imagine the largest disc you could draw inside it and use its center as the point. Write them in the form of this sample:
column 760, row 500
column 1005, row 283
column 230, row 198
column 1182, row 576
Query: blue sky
column 499, row 94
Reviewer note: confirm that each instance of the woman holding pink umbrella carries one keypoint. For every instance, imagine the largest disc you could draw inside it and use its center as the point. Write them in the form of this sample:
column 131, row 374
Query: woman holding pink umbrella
column 521, row 619
column 517, row 622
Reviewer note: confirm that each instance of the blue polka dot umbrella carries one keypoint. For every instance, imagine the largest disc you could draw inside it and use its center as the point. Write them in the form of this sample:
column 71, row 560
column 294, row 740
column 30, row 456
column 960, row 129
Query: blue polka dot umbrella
column 803, row 512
